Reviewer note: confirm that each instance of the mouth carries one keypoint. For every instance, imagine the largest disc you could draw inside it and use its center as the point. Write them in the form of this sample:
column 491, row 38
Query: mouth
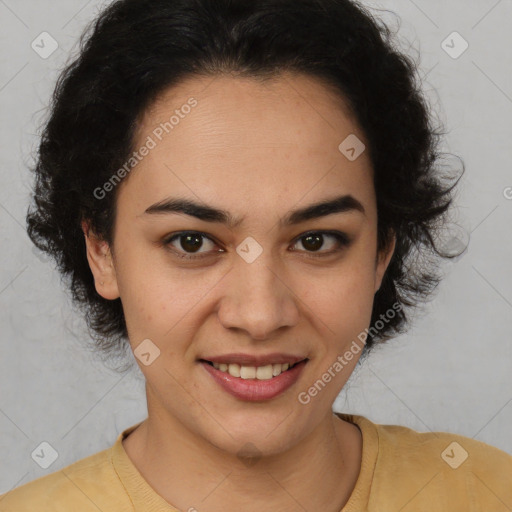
column 255, row 383
column 264, row 372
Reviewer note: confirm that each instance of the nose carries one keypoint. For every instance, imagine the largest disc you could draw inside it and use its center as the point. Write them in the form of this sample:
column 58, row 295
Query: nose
column 257, row 299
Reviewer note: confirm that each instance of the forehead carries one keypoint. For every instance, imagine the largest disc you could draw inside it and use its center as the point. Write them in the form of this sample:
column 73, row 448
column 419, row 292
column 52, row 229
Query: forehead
column 293, row 109
column 225, row 137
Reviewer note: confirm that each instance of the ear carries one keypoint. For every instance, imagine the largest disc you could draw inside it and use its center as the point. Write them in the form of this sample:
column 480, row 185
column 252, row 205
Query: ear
column 383, row 259
column 101, row 264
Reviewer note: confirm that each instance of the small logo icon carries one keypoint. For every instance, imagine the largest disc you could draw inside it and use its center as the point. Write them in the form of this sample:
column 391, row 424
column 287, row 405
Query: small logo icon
column 352, row 147
column 454, row 242
column 44, row 45
column 249, row 454
column 44, row 455
column 454, row 247
column 249, row 249
column 454, row 45
column 454, row 455
column 146, row 352
column 507, row 193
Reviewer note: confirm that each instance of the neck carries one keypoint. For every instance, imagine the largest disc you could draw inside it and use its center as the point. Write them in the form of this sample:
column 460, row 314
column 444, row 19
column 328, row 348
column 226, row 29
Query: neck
column 317, row 474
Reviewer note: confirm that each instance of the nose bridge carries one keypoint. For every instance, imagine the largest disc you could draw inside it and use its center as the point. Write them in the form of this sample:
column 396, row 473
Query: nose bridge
column 257, row 299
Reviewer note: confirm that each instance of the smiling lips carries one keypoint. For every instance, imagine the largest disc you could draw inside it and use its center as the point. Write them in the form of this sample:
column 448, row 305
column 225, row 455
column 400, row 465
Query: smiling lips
column 246, row 378
column 253, row 372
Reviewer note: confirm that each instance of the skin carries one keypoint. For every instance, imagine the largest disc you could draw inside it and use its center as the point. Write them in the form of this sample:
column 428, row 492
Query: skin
column 257, row 150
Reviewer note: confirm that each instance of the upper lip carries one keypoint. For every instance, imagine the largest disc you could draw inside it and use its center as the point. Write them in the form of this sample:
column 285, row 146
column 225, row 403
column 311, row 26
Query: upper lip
column 252, row 360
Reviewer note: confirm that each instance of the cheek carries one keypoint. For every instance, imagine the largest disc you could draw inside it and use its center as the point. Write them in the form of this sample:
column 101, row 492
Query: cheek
column 341, row 301
column 346, row 307
column 158, row 299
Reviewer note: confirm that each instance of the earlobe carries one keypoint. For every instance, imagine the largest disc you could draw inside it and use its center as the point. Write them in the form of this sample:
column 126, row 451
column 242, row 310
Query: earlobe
column 101, row 264
column 383, row 259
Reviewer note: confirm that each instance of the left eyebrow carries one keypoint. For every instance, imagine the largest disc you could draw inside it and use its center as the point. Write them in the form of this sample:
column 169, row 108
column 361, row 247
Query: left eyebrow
column 341, row 204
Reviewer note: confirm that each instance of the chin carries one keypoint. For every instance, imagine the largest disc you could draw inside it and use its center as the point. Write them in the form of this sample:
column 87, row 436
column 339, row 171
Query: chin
column 260, row 434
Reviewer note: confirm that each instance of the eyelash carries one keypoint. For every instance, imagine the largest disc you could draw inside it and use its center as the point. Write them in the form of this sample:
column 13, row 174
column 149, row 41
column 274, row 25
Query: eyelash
column 342, row 239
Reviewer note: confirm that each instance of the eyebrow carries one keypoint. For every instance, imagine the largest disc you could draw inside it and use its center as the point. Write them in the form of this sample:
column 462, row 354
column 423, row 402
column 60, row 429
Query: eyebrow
column 340, row 204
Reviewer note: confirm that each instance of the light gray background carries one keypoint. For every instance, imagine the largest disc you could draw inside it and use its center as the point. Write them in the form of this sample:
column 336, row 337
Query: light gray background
column 450, row 372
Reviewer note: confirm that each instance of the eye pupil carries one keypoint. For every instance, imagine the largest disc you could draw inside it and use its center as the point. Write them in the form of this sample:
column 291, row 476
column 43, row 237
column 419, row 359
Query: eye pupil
column 193, row 246
column 317, row 241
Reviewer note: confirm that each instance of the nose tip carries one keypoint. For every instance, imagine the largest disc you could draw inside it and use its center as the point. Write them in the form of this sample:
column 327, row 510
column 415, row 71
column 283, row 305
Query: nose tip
column 257, row 301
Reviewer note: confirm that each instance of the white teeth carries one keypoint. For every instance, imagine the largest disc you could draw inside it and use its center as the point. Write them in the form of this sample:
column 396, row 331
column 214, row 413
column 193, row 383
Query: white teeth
column 234, row 370
column 276, row 369
column 264, row 372
column 248, row 372
column 253, row 372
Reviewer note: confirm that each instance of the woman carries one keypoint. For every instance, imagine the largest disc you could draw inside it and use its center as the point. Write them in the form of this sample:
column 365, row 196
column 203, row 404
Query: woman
column 247, row 194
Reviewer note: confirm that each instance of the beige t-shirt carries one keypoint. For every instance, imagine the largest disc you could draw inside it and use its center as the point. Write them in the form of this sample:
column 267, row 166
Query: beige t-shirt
column 401, row 470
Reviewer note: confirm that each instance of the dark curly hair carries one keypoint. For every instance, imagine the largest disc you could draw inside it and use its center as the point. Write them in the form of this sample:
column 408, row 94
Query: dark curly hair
column 136, row 49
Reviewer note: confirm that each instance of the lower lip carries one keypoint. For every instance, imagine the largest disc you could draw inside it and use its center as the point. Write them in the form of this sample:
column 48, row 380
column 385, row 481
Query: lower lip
column 255, row 390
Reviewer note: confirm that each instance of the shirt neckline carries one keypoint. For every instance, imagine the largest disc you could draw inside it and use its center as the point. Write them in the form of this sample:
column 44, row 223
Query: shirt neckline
column 360, row 495
column 145, row 499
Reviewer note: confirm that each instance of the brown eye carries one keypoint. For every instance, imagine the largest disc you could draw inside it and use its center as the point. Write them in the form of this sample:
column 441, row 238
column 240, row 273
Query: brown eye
column 314, row 241
column 185, row 244
column 191, row 243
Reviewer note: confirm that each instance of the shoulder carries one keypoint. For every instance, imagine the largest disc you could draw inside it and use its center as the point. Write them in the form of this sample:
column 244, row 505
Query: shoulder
column 455, row 451
column 470, row 471
column 436, row 469
column 90, row 483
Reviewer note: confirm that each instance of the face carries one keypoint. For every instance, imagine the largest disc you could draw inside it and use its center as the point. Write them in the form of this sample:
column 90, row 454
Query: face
column 254, row 276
